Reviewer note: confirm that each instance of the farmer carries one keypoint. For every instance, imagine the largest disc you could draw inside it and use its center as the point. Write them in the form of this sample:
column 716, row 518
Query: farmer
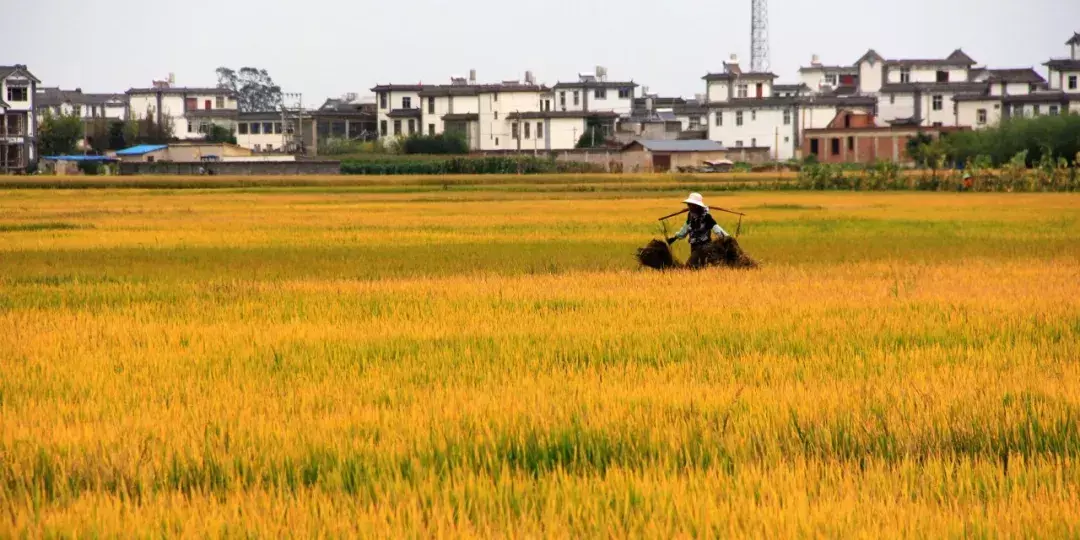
column 700, row 227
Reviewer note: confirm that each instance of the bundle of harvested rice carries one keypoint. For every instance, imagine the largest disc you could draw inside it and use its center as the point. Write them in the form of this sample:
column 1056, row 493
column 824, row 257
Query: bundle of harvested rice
column 657, row 255
column 721, row 252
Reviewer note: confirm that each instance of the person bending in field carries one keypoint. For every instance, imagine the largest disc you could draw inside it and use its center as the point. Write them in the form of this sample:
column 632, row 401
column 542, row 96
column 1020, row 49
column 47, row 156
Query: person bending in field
column 700, row 226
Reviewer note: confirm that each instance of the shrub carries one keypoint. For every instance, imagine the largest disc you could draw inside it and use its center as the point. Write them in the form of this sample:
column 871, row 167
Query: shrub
column 443, row 143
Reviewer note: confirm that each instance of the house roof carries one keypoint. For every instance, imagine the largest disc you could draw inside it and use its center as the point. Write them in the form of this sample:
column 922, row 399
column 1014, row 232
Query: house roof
column 753, row 103
column 476, row 89
column 826, row 100
column 461, row 117
column 1039, row 97
column 690, row 145
column 212, row 113
column 399, row 87
column 7, row 71
column 871, row 55
column 596, row 84
column 841, row 69
column 731, row 76
column 47, row 97
column 1074, row 40
column 528, row 115
column 1018, row 75
column 182, row 90
column 957, row 58
column 910, row 88
column 404, row 113
column 975, row 96
column 141, row 149
column 259, row 115
column 1063, row 64
column 790, row 87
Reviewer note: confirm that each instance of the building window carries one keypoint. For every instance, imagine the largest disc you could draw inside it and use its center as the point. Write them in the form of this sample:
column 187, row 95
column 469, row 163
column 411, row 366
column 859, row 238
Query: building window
column 738, row 118
column 1072, row 82
column 905, row 76
column 1053, row 110
column 787, row 117
column 397, row 127
column 936, row 124
column 268, row 127
column 412, row 126
column 496, row 141
column 496, row 115
column 741, row 91
column 937, row 103
column 624, row 93
column 431, row 105
column 892, row 99
column 17, row 93
column 514, row 130
column 1036, row 110
column 207, row 105
column 835, row 143
column 191, row 127
column 382, row 100
column 753, row 116
column 1032, row 88
column 562, row 99
column 406, row 102
column 431, row 130
column 1018, row 111
column 830, row 79
column 242, row 128
column 528, row 130
column 942, row 76
column 495, row 97
column 787, row 139
column 255, row 128
column 577, row 98
column 980, row 117
column 695, row 122
column 539, row 130
column 738, row 144
column 277, row 128
column 220, row 102
column 382, row 128
column 851, row 143
column 76, row 110
column 719, row 118
column 600, row 93
column 814, row 149
column 753, row 143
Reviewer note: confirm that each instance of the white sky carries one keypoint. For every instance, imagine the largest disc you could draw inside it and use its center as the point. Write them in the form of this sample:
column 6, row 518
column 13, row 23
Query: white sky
column 325, row 48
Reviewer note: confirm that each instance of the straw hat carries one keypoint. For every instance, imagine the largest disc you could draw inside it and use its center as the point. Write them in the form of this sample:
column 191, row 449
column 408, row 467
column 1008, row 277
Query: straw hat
column 696, row 199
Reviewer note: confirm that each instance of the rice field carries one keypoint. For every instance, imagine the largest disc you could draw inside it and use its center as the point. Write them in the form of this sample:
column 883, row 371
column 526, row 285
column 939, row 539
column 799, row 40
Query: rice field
column 486, row 363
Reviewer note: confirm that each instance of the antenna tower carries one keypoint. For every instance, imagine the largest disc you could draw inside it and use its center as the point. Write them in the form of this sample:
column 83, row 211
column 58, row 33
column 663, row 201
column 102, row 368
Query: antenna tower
column 759, row 35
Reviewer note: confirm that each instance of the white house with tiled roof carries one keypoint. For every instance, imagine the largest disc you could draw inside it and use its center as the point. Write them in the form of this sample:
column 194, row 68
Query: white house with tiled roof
column 748, row 110
column 18, row 123
column 1064, row 73
column 190, row 110
column 84, row 105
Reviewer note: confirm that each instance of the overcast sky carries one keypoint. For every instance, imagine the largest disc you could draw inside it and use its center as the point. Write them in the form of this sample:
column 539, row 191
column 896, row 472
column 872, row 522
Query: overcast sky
column 328, row 47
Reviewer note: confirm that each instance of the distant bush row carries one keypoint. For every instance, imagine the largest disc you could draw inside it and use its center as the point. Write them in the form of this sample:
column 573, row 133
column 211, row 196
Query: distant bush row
column 467, row 165
column 1014, row 176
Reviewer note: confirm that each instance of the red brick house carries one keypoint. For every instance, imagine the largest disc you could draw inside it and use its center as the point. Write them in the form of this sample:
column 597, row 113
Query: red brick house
column 855, row 137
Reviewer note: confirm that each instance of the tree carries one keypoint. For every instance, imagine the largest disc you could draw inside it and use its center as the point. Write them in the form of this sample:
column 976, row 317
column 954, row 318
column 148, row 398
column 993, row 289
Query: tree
column 60, row 135
column 917, row 146
column 220, row 134
column 147, row 131
column 594, row 137
column 254, row 88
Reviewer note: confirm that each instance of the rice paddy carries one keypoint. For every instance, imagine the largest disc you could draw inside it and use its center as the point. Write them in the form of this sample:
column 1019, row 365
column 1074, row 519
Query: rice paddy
column 443, row 363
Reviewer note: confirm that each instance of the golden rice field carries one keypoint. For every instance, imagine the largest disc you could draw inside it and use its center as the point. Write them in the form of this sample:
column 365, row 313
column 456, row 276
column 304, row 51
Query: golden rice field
column 332, row 362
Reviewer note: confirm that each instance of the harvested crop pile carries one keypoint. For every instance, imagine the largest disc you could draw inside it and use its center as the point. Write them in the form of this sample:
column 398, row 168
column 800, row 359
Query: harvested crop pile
column 657, row 255
column 721, row 252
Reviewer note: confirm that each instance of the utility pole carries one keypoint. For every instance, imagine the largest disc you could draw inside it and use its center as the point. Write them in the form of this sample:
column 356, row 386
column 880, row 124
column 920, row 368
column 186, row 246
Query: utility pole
column 759, row 35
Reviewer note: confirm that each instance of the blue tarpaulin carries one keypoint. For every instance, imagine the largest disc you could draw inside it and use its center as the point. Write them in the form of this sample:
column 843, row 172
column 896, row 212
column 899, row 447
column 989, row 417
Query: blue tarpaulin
column 100, row 159
column 141, row 149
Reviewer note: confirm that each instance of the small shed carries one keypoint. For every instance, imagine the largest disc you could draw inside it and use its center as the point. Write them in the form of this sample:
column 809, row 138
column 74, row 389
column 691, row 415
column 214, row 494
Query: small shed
column 144, row 152
column 665, row 156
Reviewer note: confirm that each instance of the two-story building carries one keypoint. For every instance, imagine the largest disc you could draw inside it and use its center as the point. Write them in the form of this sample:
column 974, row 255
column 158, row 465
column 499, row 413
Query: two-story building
column 18, row 122
column 747, row 110
column 87, row 106
column 190, row 111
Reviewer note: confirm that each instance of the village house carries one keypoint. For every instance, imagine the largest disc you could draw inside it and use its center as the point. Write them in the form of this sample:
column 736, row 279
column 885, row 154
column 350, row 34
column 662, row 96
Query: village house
column 18, row 122
column 75, row 102
column 191, row 111
column 857, row 137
